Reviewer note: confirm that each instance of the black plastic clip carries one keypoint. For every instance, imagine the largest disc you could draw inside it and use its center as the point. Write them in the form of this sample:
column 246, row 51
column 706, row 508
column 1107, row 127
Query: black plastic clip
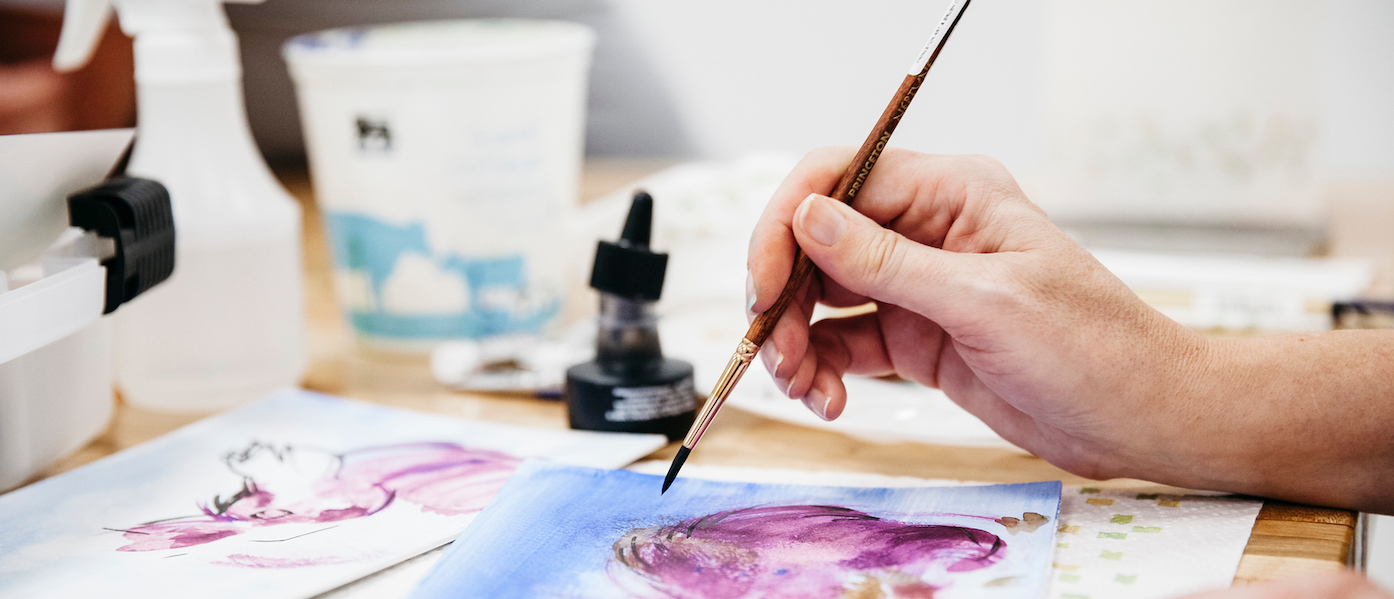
column 135, row 214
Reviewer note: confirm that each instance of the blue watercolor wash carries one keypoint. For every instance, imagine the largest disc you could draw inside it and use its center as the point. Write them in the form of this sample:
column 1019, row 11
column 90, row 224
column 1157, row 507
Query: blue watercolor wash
column 553, row 530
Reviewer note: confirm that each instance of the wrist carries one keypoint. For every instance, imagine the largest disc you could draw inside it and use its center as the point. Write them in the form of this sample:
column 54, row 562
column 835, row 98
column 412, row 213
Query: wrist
column 1219, row 418
column 1190, row 435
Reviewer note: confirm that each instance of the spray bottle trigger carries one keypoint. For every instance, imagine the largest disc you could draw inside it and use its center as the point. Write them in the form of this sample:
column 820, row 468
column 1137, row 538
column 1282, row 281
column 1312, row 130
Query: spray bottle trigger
column 136, row 215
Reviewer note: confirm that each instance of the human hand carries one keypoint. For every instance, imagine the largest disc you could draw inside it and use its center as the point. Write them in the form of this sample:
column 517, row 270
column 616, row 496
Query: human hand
column 1342, row 585
column 978, row 294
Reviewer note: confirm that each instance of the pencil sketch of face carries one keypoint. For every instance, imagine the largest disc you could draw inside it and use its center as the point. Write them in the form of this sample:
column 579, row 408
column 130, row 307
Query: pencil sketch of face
column 290, row 492
column 798, row 551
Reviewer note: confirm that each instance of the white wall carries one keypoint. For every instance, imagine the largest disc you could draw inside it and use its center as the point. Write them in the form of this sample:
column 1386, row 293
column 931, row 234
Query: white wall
column 722, row 78
column 1359, row 89
column 791, row 75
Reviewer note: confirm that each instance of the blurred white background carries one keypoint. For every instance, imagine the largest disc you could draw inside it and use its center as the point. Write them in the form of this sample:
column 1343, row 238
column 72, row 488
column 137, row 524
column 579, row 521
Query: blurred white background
column 790, row 75
column 1237, row 114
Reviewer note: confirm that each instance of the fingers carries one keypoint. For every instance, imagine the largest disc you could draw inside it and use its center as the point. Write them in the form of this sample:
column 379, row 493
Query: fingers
column 958, row 381
column 859, row 345
column 881, row 264
column 1346, row 585
column 834, row 347
column 828, row 396
column 786, row 350
column 968, row 206
column 913, row 345
column 837, row 346
column 772, row 246
column 959, row 203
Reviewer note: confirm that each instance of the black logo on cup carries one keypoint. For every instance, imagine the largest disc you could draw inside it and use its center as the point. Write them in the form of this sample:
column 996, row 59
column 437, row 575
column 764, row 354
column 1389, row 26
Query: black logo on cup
column 373, row 135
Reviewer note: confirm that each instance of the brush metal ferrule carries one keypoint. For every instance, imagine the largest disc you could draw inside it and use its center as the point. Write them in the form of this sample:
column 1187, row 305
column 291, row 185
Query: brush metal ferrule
column 735, row 367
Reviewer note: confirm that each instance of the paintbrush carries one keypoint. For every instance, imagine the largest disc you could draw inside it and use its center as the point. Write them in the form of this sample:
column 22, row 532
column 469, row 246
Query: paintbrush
column 846, row 191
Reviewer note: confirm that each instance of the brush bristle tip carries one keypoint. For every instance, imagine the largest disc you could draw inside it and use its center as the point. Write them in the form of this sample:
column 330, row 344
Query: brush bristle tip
column 673, row 469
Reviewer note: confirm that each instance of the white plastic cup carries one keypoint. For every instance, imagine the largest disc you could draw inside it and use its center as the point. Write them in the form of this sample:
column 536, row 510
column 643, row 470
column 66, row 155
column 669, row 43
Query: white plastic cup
column 445, row 155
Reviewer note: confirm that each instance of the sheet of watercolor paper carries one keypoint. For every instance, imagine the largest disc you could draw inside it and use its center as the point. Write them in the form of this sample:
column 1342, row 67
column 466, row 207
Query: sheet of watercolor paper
column 1110, row 544
column 562, row 531
column 289, row 497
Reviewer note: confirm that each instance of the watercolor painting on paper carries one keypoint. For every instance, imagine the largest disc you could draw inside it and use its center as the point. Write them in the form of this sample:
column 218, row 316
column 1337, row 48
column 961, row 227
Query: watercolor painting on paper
column 292, row 496
column 564, row 531
column 284, row 485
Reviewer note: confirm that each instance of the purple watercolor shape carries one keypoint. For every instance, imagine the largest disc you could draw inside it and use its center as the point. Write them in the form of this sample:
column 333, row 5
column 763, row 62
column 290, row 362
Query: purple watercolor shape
column 798, row 551
column 288, row 485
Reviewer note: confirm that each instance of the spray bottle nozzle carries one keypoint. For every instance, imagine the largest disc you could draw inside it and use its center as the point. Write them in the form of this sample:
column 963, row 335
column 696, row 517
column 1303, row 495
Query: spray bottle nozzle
column 196, row 42
column 84, row 21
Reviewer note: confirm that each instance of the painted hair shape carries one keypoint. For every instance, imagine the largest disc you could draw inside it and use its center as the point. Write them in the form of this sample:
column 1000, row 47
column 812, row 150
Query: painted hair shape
column 793, row 551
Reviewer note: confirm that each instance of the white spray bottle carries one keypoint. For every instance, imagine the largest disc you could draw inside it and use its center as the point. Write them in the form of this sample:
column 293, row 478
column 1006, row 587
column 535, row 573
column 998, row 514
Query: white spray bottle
column 227, row 327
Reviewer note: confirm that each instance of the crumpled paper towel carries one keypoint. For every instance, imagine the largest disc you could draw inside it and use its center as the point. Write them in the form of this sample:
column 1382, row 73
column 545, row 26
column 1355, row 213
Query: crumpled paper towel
column 1116, row 543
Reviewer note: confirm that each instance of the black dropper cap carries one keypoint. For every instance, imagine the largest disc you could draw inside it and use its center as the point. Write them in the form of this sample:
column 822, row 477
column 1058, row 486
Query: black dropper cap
column 626, row 267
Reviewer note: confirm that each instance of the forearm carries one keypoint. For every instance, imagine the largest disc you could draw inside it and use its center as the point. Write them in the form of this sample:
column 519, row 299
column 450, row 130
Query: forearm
column 1308, row 418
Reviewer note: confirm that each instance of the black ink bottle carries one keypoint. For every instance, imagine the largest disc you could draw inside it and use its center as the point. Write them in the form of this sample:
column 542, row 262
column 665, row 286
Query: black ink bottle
column 629, row 386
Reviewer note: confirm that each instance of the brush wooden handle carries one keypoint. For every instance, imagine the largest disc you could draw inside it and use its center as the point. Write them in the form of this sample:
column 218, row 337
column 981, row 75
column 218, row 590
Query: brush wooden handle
column 860, row 167
column 846, row 191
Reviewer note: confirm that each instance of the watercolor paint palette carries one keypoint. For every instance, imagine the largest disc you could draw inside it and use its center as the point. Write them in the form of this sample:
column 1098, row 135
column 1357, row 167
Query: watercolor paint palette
column 289, row 497
column 563, row 531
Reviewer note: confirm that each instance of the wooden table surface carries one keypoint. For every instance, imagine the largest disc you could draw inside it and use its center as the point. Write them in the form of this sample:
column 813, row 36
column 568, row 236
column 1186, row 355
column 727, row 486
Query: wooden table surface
column 1287, row 539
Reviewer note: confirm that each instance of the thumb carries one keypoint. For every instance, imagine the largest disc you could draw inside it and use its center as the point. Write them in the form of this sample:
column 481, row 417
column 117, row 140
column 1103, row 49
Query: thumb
column 879, row 263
